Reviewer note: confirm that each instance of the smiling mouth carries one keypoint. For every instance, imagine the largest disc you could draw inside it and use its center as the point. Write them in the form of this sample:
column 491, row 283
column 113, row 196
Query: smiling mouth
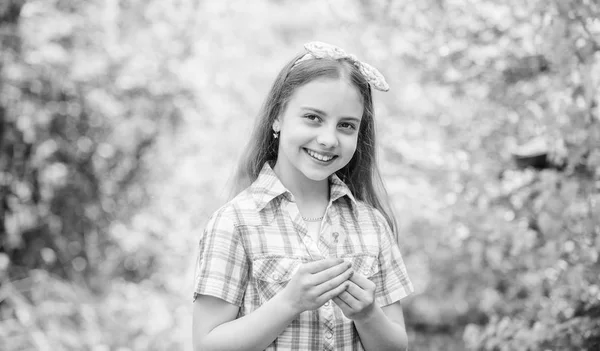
column 320, row 157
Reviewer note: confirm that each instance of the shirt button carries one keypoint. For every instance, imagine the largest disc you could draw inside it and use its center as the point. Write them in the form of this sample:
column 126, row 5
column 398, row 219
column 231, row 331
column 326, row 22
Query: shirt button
column 327, row 304
column 329, row 335
column 275, row 276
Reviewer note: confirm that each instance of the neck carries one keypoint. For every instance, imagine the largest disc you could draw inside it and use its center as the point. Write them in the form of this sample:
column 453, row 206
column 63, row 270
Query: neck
column 307, row 192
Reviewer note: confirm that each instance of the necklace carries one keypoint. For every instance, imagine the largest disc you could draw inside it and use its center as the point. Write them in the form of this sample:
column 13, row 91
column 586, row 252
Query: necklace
column 313, row 219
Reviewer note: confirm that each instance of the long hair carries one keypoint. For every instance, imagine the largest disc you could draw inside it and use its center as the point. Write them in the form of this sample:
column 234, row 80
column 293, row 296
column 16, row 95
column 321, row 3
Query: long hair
column 361, row 174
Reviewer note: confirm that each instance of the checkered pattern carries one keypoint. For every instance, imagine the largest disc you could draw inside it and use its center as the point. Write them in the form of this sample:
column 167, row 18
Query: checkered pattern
column 254, row 244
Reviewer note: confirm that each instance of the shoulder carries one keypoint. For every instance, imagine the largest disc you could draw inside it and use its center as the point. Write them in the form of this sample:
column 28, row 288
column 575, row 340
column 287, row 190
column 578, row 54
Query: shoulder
column 366, row 212
column 241, row 210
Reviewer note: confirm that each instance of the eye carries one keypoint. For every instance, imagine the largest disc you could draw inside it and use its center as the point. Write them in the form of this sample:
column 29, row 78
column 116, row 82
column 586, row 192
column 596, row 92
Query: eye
column 349, row 126
column 312, row 117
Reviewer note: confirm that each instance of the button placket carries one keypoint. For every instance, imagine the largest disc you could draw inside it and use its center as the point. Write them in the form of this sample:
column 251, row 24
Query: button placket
column 335, row 236
column 328, row 343
column 302, row 230
column 334, row 239
column 325, row 245
column 328, row 312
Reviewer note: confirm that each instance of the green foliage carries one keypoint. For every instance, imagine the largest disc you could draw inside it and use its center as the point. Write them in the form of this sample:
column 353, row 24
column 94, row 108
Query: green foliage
column 80, row 109
column 522, row 267
column 74, row 133
column 45, row 313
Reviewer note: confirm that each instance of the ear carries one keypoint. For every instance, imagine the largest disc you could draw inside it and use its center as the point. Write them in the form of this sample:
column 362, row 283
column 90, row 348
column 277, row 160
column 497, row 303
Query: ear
column 276, row 126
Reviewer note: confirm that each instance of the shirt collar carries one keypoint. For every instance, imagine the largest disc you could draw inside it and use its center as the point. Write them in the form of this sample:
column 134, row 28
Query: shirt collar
column 339, row 189
column 267, row 187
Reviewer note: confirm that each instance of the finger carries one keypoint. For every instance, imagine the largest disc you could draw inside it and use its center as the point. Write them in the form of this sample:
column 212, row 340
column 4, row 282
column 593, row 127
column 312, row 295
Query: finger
column 342, row 304
column 356, row 292
column 349, row 300
column 333, row 293
column 360, row 280
column 320, row 265
column 334, row 282
column 331, row 272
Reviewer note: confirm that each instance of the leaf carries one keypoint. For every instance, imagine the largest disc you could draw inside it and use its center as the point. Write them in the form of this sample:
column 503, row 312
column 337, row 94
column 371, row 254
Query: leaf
column 550, row 226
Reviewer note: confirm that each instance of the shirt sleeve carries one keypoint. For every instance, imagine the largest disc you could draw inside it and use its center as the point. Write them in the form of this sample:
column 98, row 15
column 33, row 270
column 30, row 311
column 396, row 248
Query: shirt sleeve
column 393, row 283
column 222, row 265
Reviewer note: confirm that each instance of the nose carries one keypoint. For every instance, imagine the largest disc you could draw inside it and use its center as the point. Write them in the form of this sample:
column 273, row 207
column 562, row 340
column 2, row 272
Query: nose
column 327, row 137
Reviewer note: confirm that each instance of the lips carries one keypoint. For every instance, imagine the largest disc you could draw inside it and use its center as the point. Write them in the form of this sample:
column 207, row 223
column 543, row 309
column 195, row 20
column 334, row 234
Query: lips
column 319, row 156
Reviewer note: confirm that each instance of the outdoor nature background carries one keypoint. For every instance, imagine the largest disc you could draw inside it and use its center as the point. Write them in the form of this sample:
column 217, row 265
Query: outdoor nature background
column 122, row 120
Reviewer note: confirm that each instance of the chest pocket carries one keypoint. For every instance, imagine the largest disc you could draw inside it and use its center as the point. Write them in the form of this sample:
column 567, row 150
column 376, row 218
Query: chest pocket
column 272, row 274
column 363, row 263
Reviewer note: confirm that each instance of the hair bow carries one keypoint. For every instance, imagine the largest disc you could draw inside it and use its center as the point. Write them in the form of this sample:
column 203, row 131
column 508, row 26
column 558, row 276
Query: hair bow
column 319, row 50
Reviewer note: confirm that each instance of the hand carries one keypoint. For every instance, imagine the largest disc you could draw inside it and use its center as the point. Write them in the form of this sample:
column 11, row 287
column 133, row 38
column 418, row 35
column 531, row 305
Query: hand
column 358, row 300
column 316, row 283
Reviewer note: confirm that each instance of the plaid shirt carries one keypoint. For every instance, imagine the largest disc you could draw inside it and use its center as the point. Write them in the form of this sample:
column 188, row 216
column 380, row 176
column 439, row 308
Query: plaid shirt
column 255, row 243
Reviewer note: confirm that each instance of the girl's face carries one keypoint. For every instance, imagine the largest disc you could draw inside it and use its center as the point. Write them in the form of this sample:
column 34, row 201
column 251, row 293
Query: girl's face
column 319, row 129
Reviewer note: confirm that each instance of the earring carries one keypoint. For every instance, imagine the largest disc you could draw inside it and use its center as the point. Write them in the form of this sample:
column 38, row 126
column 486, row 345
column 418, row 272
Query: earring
column 275, row 134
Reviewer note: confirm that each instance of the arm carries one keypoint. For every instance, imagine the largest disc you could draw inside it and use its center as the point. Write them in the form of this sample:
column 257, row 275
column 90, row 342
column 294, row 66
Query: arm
column 215, row 326
column 383, row 329
column 379, row 328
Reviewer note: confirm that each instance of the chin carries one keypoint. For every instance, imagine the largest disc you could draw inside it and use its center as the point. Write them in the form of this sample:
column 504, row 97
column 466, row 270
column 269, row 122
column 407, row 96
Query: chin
column 318, row 175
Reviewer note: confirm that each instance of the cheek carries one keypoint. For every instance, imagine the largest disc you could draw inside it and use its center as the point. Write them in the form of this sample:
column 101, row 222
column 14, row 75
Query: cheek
column 352, row 145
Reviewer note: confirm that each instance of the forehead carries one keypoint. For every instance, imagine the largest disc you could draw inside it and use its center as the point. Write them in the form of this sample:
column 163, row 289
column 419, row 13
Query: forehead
column 336, row 97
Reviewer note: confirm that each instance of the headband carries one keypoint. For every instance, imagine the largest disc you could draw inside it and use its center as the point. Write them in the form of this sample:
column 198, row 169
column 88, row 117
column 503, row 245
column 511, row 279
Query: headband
column 319, row 50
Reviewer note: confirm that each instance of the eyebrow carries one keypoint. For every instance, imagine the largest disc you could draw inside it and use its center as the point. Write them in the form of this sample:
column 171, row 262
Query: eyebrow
column 355, row 119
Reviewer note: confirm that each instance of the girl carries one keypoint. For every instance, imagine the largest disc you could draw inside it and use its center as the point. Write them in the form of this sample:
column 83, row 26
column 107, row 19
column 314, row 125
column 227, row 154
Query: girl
column 305, row 257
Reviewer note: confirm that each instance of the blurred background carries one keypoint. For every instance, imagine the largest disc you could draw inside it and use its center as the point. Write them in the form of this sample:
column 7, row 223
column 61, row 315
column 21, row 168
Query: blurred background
column 122, row 120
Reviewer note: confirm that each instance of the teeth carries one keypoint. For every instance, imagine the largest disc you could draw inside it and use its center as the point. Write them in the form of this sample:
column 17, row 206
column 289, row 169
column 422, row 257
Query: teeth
column 319, row 156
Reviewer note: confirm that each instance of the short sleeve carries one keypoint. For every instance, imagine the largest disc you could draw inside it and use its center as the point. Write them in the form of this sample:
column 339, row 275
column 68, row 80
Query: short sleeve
column 393, row 283
column 222, row 266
